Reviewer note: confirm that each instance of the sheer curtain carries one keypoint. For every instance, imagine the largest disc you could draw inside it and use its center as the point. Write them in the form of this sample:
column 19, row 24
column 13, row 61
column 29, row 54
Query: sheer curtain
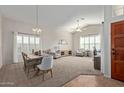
column 25, row 43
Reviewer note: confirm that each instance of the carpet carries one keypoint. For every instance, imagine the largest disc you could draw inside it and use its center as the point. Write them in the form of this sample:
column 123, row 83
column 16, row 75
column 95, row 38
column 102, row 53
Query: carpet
column 64, row 70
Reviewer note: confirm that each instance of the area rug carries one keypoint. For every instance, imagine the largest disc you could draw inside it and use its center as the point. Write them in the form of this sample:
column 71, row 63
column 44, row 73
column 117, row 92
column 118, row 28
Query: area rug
column 64, row 70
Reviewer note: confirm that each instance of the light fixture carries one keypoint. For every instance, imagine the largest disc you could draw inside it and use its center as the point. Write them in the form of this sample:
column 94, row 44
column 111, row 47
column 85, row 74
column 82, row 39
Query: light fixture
column 78, row 28
column 37, row 29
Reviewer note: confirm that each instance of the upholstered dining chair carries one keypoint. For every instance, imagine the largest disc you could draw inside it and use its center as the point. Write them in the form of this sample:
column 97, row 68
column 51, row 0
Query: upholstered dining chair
column 24, row 55
column 46, row 65
column 28, row 64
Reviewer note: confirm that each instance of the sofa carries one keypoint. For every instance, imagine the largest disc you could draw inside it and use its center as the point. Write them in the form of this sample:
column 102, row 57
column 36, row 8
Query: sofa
column 56, row 54
column 84, row 53
column 80, row 52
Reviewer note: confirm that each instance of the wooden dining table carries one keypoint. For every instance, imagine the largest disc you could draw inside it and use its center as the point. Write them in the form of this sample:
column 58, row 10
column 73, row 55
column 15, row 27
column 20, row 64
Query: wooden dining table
column 35, row 58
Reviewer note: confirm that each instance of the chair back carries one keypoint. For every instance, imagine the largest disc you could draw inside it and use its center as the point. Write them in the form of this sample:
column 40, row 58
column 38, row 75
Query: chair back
column 24, row 55
column 47, row 62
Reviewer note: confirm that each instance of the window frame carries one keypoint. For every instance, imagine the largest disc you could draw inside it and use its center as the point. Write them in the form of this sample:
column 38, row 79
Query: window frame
column 94, row 43
column 28, row 46
column 114, row 9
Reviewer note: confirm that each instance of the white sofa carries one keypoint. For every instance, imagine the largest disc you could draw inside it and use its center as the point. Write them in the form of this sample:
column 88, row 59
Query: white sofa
column 80, row 52
column 85, row 53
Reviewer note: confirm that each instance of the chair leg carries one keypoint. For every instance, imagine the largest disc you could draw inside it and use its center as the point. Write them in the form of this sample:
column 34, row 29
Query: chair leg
column 51, row 72
column 24, row 68
column 34, row 68
column 43, row 75
column 37, row 71
column 27, row 71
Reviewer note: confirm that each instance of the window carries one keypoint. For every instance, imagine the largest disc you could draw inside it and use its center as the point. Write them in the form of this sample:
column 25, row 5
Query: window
column 82, row 42
column 92, row 42
column 86, row 45
column 37, row 40
column 25, row 39
column 26, row 43
column 19, row 39
column 117, row 10
column 89, row 42
column 97, row 42
column 31, row 40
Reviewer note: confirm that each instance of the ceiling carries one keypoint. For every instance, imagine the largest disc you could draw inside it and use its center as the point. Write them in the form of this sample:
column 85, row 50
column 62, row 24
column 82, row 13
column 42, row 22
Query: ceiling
column 55, row 17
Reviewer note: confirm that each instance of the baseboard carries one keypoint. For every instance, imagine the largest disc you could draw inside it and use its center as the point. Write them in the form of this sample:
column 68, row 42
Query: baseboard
column 108, row 76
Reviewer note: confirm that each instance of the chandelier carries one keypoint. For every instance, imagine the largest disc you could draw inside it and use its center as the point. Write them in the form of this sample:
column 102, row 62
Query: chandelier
column 37, row 29
column 78, row 28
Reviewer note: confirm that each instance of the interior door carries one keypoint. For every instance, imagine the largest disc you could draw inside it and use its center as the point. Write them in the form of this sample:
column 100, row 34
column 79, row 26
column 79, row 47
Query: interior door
column 117, row 50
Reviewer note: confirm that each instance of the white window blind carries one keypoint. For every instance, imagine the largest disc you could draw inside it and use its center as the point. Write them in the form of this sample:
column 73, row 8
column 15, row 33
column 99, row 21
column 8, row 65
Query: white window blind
column 89, row 42
column 25, row 43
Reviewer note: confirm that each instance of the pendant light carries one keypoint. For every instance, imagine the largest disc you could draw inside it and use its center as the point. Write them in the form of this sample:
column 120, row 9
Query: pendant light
column 78, row 29
column 37, row 29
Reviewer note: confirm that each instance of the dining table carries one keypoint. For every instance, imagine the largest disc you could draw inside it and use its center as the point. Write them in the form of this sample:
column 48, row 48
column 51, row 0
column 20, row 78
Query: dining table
column 35, row 59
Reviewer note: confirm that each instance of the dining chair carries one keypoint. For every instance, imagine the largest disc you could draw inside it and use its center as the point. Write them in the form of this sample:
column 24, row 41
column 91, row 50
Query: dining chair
column 28, row 64
column 46, row 65
column 24, row 55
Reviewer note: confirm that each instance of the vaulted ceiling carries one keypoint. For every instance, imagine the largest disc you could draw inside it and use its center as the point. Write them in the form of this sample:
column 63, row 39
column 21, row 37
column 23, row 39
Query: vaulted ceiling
column 55, row 16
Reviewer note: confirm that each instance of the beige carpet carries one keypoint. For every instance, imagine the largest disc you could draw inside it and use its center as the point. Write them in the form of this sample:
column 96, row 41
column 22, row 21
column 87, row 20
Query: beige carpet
column 64, row 70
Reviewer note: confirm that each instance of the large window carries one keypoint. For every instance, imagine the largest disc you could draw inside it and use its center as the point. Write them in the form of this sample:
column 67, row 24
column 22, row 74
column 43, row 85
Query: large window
column 89, row 42
column 117, row 10
column 25, row 43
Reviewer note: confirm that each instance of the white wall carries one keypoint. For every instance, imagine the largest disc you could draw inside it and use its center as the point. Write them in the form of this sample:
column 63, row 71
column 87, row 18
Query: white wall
column 102, row 48
column 108, row 19
column 10, row 26
column 106, row 41
column 91, row 29
column 0, row 41
column 49, row 39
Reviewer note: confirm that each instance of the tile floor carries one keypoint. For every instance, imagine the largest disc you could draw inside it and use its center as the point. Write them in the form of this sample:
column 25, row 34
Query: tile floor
column 94, row 81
